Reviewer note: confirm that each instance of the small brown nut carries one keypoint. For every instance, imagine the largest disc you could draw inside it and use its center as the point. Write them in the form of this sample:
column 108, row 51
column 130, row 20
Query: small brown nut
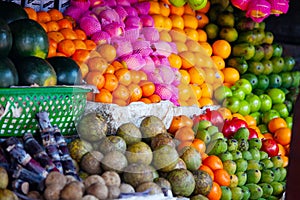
column 52, row 192
column 98, row 190
column 111, row 178
column 72, row 191
column 56, row 178
column 93, row 179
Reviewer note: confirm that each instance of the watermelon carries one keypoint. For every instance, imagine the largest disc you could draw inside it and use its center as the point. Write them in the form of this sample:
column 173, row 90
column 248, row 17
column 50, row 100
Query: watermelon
column 9, row 74
column 67, row 70
column 5, row 38
column 29, row 39
column 10, row 11
column 34, row 70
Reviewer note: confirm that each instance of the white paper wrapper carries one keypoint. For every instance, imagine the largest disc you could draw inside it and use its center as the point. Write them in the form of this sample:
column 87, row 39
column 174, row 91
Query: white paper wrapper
column 137, row 111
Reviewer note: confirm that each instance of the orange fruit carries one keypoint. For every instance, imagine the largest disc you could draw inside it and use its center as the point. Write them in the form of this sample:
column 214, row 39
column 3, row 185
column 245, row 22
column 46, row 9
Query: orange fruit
column 121, row 92
column 44, row 26
column 43, row 16
column 176, row 10
column 215, row 192
column 190, row 21
column 164, row 9
column 55, row 14
column 207, row 169
column 202, row 36
column 239, row 116
column 225, row 112
column 165, row 36
column 196, row 91
column 97, row 64
column 213, row 162
column 117, row 65
column 207, row 48
column 52, row 26
column 222, row 177
column 203, row 20
column 95, row 78
column 185, row 133
column 143, row 76
column 194, row 46
column 65, row 23
column 268, row 135
column 56, row 36
column 177, row 35
column 251, row 121
column 221, row 48
column 185, row 76
column 66, row 47
column 199, row 145
column 68, row 33
column 177, row 21
column 188, row 10
column 181, row 46
column 148, row 88
column 175, row 60
column 207, row 90
column 184, row 92
column 283, row 136
column 218, row 61
column 205, row 101
column 119, row 102
column 178, row 122
column 155, row 98
column 145, row 100
column 285, row 160
column 81, row 55
column 107, row 51
column 79, row 44
column 90, row 45
column 80, row 34
column 124, row 76
column 167, row 23
column 210, row 75
column 188, row 59
column 110, row 69
column 159, row 21
column 192, row 34
column 276, row 123
column 231, row 75
column 281, row 150
column 135, row 76
column 84, row 69
column 32, row 14
column 135, row 92
column 104, row 96
column 205, row 9
column 154, row 8
column 111, row 82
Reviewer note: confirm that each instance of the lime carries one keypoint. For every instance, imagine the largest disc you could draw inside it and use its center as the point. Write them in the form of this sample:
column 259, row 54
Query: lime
column 212, row 30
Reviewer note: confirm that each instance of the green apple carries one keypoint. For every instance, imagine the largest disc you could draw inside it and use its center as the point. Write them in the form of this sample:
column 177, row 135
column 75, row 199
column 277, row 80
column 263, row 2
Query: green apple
column 277, row 50
column 244, row 84
column 259, row 53
column 255, row 67
column 225, row 19
column 289, row 63
column 287, row 79
column 197, row 4
column 268, row 48
column 263, row 82
column 296, row 79
column 239, row 63
column 238, row 93
column 277, row 95
column 282, row 109
column 257, row 116
column 268, row 115
column 177, row 3
column 269, row 37
column 254, row 101
column 278, row 64
column 221, row 93
column 232, row 103
column 245, row 50
column 289, row 121
column 245, row 108
column 229, row 34
column 275, row 81
column 266, row 102
column 252, row 78
column 268, row 66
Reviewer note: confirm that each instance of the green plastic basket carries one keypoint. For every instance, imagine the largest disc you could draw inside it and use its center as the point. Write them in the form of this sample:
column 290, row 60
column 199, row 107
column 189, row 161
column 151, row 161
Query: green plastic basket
column 18, row 108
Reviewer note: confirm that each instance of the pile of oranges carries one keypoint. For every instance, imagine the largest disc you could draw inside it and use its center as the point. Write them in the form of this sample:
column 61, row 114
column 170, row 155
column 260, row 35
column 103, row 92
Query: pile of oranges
column 64, row 39
column 201, row 64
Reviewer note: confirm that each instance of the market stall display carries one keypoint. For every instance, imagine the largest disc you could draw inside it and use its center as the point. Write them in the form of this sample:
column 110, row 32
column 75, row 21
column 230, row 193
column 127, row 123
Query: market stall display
column 144, row 99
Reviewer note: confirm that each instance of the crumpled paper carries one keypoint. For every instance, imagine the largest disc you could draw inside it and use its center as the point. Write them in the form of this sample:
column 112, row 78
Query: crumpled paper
column 135, row 112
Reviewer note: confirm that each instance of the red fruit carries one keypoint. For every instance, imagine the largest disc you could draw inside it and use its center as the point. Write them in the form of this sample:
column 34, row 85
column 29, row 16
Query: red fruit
column 270, row 146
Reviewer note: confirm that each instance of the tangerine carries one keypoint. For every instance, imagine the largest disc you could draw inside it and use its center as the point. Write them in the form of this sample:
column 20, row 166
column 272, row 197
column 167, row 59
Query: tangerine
column 104, row 96
column 213, row 162
column 221, row 48
column 276, row 123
